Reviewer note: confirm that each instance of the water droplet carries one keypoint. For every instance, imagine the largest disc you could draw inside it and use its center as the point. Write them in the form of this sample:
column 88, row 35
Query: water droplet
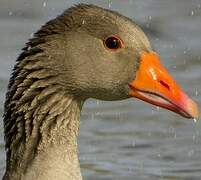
column 159, row 155
column 133, row 144
column 196, row 92
column 83, row 21
column 10, row 13
column 157, row 108
column 109, row 3
column 31, row 35
column 44, row 4
column 195, row 120
column 29, row 48
column 150, row 17
column 192, row 13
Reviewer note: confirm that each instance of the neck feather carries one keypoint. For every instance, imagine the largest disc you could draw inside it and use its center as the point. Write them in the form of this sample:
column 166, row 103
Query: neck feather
column 41, row 125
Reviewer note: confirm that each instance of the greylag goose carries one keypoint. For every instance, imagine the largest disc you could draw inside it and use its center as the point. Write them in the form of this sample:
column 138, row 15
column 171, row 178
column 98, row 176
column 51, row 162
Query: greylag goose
column 87, row 52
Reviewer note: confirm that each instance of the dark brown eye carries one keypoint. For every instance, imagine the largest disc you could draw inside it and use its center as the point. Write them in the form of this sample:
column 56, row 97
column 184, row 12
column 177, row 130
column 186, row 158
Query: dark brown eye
column 113, row 43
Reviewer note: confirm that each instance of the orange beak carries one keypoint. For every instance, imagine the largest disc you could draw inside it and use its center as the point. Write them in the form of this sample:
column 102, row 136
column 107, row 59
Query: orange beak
column 154, row 85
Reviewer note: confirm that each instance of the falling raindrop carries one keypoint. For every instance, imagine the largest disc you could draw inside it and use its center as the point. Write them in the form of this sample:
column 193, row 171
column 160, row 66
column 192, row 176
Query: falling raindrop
column 196, row 92
column 150, row 17
column 44, row 4
column 192, row 13
column 10, row 13
column 29, row 48
column 157, row 108
column 109, row 3
column 83, row 21
column 133, row 144
column 31, row 35
column 195, row 120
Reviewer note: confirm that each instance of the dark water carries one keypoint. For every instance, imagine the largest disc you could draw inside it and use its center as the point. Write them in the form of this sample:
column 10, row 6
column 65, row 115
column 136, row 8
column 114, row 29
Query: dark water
column 128, row 139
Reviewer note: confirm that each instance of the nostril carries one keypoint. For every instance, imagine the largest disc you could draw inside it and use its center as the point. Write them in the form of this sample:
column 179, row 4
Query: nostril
column 164, row 84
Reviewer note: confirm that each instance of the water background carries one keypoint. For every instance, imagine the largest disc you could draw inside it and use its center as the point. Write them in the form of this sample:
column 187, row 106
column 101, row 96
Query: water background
column 125, row 140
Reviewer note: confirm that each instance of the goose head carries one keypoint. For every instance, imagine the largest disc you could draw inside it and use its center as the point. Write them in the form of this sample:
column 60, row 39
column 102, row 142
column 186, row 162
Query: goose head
column 107, row 56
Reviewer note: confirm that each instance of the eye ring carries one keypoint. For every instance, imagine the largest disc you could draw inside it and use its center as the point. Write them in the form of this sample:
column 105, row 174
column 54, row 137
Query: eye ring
column 113, row 43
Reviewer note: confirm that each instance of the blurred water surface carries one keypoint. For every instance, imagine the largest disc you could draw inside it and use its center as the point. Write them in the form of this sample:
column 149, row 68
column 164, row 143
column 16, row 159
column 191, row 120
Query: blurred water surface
column 128, row 139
